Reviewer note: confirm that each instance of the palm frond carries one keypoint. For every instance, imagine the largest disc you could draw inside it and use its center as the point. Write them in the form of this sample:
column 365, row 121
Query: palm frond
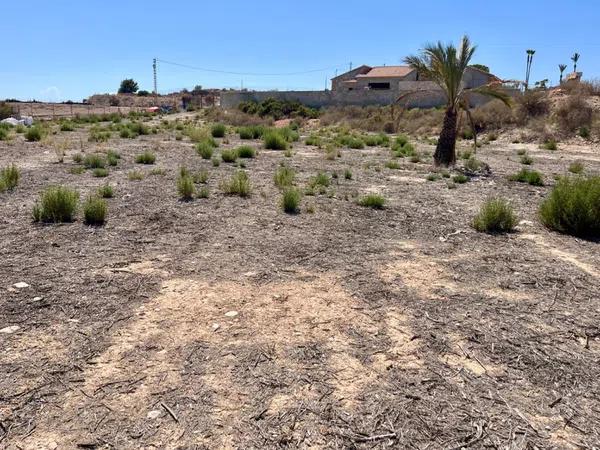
column 492, row 90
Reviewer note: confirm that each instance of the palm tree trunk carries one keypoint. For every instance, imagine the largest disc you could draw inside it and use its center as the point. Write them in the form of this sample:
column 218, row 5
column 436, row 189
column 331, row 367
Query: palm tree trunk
column 445, row 151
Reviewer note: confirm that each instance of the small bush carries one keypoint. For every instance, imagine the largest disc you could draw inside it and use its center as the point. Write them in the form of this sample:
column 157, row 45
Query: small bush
column 576, row 167
column 135, row 175
column 472, row 164
column 239, row 184
column 573, row 207
column 99, row 135
column 203, row 192
column 372, row 201
column 495, row 216
column 229, row 156
column 521, row 152
column 3, row 134
column 284, row 177
column 573, row 113
column 460, row 178
column 218, row 130
column 67, row 126
column 78, row 170
column 347, row 174
column 216, row 161
column 313, row 140
column 432, row 177
column 584, row 132
column 205, row 150
column 550, row 144
column 415, row 158
column 185, row 187
column 158, row 171
column 245, row 151
column 94, row 161
column 34, row 134
column 401, row 140
column 94, row 210
column 145, row 158
column 532, row 177
column 9, row 178
column 392, row 164
column 374, row 140
column 100, row 173
column 106, row 191
column 321, row 179
column 527, row 160
column 251, row 132
column 290, row 200
column 57, row 204
column 274, row 141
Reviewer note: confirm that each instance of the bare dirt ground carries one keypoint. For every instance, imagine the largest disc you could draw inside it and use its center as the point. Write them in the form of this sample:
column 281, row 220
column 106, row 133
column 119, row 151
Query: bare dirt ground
column 355, row 328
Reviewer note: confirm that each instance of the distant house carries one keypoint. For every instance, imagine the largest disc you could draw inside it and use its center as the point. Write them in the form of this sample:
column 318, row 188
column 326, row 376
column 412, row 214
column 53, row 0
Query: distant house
column 398, row 78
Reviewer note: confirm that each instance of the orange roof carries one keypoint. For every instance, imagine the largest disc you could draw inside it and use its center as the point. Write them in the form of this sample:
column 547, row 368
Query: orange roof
column 387, row 72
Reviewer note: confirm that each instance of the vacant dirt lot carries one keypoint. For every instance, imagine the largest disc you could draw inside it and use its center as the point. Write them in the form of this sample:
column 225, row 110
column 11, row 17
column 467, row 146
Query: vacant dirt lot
column 226, row 323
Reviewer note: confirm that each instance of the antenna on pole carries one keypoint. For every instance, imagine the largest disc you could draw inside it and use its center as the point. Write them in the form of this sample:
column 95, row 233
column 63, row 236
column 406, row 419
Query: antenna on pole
column 350, row 66
column 154, row 72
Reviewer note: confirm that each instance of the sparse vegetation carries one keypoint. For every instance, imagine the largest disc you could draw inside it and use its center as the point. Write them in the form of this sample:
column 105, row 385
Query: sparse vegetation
column 135, row 175
column 229, row 155
column 576, row 167
column 245, row 151
column 9, row 178
column 460, row 178
column 205, row 150
column 94, row 161
column 106, row 191
column 239, row 184
column 95, row 210
column 145, row 158
column 526, row 160
column 372, row 201
column 185, row 186
column 218, row 130
column 34, row 134
column 291, row 200
column 573, row 207
column 284, row 177
column 274, row 141
column 57, row 204
column 532, row 177
column 495, row 216
column 100, row 172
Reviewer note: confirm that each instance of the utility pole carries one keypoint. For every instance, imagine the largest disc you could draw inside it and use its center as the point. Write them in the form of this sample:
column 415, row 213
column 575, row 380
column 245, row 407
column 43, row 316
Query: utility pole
column 350, row 67
column 154, row 72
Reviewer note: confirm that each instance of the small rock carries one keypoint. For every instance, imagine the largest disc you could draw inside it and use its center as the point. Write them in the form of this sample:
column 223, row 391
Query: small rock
column 52, row 446
column 20, row 285
column 526, row 222
column 38, row 299
column 231, row 313
column 11, row 329
column 250, row 274
column 216, row 326
column 154, row 414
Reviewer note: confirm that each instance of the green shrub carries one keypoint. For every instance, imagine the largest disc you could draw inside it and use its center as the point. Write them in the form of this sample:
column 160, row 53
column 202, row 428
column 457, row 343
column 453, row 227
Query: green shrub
column 347, row 174
column 576, row 167
column 100, row 172
column 238, row 184
column 521, row 152
column 106, row 191
column 67, row 126
column 94, row 210
column 77, row 170
column 126, row 133
column 245, row 151
column 290, row 200
column 94, row 161
column 532, row 177
column 321, row 179
column 415, row 158
column 135, row 175
column 432, row 177
column 229, row 156
column 201, row 177
column 460, row 178
column 205, row 150
column 9, row 178
column 99, row 135
column 158, row 171
column 404, row 150
column 216, row 161
column 495, row 216
column 573, row 207
column 392, row 164
column 34, row 134
column 274, row 141
column 251, row 132
column 372, row 201
column 185, row 187
column 584, row 132
column 550, row 144
column 218, row 130
column 472, row 164
column 3, row 134
column 284, row 177
column 374, row 140
column 466, row 154
column 145, row 158
column 401, row 140
column 57, row 204
column 313, row 140
column 203, row 192
column 527, row 160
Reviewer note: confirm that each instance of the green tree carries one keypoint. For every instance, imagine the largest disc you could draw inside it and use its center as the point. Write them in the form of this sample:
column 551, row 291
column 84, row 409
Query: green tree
column 530, row 54
column 128, row 86
column 575, row 58
column 482, row 67
column 446, row 65
column 562, row 68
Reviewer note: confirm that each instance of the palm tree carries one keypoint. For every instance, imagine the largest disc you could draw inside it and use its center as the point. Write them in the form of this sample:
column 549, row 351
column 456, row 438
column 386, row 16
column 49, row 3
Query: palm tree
column 575, row 58
column 445, row 66
column 562, row 68
column 530, row 54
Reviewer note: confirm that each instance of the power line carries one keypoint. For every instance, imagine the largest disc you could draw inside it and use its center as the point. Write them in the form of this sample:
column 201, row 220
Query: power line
column 203, row 69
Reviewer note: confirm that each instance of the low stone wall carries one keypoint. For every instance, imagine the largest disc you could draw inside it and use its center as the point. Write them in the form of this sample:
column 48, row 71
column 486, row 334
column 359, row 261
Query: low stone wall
column 320, row 99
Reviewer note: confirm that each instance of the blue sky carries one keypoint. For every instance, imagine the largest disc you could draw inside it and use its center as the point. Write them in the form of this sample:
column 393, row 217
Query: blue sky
column 60, row 50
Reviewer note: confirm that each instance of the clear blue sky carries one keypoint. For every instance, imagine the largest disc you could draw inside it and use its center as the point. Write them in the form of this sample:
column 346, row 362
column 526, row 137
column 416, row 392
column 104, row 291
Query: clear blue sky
column 60, row 50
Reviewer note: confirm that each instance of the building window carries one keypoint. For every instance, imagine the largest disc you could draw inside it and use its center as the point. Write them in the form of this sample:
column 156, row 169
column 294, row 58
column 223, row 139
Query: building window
column 379, row 86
